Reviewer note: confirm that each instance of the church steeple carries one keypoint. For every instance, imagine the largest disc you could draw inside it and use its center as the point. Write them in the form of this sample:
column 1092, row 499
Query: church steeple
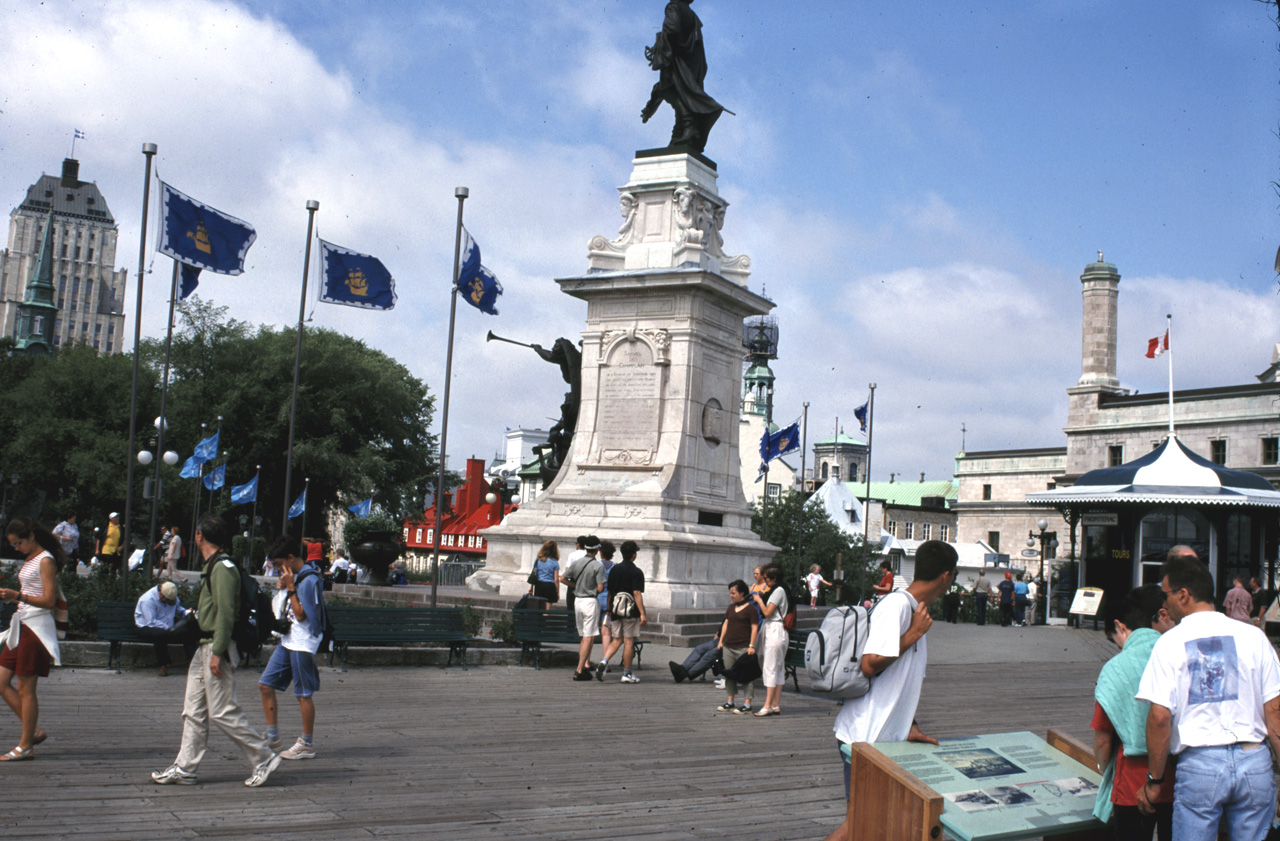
column 37, row 311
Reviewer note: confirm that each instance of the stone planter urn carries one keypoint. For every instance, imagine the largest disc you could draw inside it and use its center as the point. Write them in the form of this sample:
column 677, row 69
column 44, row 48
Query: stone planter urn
column 376, row 552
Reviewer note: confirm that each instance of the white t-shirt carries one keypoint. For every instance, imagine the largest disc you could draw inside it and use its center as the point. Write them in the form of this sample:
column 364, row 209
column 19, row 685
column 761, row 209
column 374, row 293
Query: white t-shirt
column 1214, row 674
column 813, row 579
column 779, row 599
column 885, row 713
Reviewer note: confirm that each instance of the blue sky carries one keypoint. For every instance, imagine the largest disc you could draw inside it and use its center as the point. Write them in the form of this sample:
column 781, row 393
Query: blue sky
column 919, row 185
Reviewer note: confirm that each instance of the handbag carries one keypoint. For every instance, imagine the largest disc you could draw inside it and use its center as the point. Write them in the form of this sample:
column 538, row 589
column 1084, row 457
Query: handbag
column 533, row 574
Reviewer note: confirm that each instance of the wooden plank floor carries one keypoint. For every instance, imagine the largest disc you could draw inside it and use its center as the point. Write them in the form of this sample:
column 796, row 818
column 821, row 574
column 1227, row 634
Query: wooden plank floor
column 504, row 752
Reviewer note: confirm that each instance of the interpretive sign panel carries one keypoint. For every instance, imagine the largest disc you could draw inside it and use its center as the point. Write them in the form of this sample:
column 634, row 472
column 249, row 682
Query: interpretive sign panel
column 1087, row 601
column 1002, row 786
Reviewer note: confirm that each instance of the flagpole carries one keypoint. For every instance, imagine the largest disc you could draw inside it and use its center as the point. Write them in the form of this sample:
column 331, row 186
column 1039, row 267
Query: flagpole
column 461, row 194
column 1168, row 340
column 164, row 396
column 148, row 150
column 302, row 531
column 804, row 447
column 312, row 207
column 253, row 520
column 866, row 502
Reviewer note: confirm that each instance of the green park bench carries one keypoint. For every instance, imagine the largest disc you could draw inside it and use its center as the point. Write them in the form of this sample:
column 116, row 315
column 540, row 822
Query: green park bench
column 396, row 626
column 115, row 625
column 535, row 627
column 795, row 656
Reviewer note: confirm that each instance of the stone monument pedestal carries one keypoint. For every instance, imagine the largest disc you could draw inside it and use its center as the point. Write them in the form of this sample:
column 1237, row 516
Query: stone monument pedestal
column 654, row 457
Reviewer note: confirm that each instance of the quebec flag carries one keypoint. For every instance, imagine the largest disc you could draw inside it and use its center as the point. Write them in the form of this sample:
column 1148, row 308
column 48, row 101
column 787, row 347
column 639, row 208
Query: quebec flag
column 361, row 509
column 477, row 285
column 248, row 492
column 354, row 279
column 197, row 235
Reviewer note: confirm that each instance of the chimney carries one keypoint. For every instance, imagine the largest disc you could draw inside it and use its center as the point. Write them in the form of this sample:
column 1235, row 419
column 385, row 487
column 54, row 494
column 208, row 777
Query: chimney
column 922, row 478
column 891, row 475
column 70, row 172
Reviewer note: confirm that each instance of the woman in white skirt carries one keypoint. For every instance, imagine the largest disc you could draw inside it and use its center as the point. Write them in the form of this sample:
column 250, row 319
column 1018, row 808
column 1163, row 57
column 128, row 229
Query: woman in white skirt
column 773, row 651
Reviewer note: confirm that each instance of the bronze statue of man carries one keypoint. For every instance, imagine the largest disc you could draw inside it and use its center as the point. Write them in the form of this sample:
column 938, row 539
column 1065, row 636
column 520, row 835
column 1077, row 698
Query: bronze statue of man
column 678, row 56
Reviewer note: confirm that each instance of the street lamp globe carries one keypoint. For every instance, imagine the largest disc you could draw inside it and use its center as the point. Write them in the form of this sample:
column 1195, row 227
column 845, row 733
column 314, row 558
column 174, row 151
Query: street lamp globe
column 1042, row 525
column 1031, row 542
column 162, row 421
column 144, row 457
column 170, row 458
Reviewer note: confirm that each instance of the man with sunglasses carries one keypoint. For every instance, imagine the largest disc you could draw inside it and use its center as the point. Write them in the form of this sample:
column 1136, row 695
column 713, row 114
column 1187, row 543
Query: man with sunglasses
column 1214, row 689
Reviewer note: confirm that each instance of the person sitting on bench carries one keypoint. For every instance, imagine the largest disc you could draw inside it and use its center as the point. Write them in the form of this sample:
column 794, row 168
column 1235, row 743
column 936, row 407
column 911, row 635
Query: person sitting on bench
column 162, row 620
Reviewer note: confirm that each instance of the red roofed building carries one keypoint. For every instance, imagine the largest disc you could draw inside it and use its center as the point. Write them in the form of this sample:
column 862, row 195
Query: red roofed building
column 464, row 518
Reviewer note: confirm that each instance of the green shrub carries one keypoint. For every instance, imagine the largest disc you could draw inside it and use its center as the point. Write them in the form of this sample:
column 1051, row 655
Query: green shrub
column 503, row 629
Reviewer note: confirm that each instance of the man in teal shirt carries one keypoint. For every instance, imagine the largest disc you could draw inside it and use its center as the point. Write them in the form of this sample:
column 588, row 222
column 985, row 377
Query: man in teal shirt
column 211, row 692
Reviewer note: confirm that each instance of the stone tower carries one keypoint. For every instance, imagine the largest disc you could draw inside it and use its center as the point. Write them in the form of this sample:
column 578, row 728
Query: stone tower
column 1101, row 292
column 38, row 312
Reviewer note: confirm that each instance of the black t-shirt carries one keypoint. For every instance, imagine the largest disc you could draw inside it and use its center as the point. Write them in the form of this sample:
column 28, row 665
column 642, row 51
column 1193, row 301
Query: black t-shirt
column 625, row 577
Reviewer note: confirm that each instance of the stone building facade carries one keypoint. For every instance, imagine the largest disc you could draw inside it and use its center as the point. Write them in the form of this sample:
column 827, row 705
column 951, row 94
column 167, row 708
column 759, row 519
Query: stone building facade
column 1237, row 426
column 90, row 292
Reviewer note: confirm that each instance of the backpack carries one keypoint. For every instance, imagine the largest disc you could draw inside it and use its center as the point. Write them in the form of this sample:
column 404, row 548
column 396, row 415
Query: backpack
column 833, row 653
column 623, row 606
column 789, row 618
column 255, row 620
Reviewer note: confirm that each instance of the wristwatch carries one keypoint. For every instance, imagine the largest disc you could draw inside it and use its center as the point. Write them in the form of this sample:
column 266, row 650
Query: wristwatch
column 1157, row 781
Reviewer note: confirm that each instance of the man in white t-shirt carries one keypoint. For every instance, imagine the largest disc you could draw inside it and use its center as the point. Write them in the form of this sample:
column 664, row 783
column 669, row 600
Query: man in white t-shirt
column 1214, row 688
column 895, row 658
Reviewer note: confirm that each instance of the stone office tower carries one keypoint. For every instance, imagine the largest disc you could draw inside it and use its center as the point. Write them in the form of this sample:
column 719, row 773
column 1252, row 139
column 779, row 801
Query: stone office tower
column 80, row 262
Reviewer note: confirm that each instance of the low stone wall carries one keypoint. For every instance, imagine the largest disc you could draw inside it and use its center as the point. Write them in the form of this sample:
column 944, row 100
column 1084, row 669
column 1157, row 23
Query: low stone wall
column 93, row 654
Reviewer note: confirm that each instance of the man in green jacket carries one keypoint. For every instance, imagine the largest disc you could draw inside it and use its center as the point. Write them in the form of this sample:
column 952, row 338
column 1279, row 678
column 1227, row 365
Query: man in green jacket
column 211, row 693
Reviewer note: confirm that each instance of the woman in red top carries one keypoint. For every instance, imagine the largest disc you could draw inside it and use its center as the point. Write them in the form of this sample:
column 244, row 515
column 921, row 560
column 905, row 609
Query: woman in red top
column 885, row 587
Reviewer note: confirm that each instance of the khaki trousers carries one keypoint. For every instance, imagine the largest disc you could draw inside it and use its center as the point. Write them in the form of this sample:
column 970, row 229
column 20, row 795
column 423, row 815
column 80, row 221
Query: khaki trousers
column 214, row 698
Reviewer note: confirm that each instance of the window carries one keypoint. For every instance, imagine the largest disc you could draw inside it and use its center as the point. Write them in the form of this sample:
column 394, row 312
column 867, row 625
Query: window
column 893, row 528
column 1271, row 450
column 824, row 471
column 835, row 471
column 1115, row 455
column 1218, row 452
column 907, row 529
column 88, row 290
column 773, row 491
column 91, row 254
column 993, row 540
column 986, row 492
column 925, row 528
column 75, row 291
column 944, row 533
column 77, row 252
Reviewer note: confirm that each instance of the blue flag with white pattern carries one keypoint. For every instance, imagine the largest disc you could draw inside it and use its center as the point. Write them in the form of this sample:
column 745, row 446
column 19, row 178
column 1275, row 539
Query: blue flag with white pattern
column 248, row 492
column 355, row 280
column 361, row 509
column 216, row 478
column 299, row 505
column 191, row 467
column 207, row 450
column 477, row 285
column 198, row 235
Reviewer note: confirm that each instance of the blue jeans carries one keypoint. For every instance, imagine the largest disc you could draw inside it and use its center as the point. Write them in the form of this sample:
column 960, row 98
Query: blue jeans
column 1223, row 783
column 700, row 659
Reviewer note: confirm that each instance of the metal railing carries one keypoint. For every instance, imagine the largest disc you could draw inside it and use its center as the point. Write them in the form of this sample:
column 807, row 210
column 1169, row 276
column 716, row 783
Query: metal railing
column 454, row 573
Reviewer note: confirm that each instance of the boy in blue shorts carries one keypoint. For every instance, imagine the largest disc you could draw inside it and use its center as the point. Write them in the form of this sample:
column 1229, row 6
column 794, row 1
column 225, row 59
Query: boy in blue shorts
column 294, row 660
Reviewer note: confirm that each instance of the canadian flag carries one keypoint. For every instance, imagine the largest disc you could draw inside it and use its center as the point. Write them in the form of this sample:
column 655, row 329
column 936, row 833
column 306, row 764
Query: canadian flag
column 1157, row 346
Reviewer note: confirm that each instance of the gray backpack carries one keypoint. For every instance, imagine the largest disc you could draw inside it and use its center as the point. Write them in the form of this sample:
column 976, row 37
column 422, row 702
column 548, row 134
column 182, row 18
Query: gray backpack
column 833, row 653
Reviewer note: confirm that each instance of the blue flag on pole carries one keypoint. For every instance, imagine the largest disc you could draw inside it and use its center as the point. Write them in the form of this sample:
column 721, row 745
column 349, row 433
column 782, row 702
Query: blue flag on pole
column 207, row 450
column 191, row 467
column 785, row 440
column 354, row 279
column 189, row 281
column 361, row 509
column 299, row 505
column 196, row 234
column 478, row 286
column 861, row 414
column 248, row 492
column 216, row 478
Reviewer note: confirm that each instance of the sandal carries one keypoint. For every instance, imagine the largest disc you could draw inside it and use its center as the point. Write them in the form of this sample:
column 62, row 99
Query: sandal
column 39, row 738
column 766, row 711
column 17, row 755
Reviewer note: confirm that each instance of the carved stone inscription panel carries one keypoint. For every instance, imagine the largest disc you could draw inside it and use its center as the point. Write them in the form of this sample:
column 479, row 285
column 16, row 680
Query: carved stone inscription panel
column 629, row 408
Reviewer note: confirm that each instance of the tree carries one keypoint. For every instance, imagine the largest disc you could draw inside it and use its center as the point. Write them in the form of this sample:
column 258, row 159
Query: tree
column 362, row 418
column 805, row 536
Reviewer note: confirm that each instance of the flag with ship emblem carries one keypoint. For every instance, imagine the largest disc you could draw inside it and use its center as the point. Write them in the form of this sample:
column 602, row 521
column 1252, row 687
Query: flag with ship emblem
column 354, row 279
column 196, row 235
column 479, row 287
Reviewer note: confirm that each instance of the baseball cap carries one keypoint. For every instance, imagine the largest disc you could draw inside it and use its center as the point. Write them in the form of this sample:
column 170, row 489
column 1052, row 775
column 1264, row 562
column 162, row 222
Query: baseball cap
column 113, row 515
column 168, row 591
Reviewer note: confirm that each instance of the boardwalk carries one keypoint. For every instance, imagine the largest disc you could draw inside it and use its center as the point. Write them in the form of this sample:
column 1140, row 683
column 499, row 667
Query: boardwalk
column 508, row 752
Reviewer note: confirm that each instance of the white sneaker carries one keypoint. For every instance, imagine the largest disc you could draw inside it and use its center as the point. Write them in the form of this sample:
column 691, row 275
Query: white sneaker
column 173, row 776
column 263, row 771
column 630, row 678
column 300, row 750
column 720, row 683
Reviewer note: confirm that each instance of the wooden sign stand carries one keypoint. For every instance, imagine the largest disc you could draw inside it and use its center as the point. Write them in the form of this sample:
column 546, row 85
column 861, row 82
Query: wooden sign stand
column 892, row 805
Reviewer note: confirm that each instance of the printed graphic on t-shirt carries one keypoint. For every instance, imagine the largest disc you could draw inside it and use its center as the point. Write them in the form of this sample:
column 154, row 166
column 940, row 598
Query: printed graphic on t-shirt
column 1214, row 670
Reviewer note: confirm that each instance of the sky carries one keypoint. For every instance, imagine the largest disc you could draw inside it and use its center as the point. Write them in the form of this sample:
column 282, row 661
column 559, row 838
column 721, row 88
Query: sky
column 919, row 185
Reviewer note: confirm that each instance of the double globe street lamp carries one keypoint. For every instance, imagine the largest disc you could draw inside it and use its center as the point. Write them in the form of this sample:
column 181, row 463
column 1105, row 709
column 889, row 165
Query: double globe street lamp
column 151, row 485
column 1047, row 543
